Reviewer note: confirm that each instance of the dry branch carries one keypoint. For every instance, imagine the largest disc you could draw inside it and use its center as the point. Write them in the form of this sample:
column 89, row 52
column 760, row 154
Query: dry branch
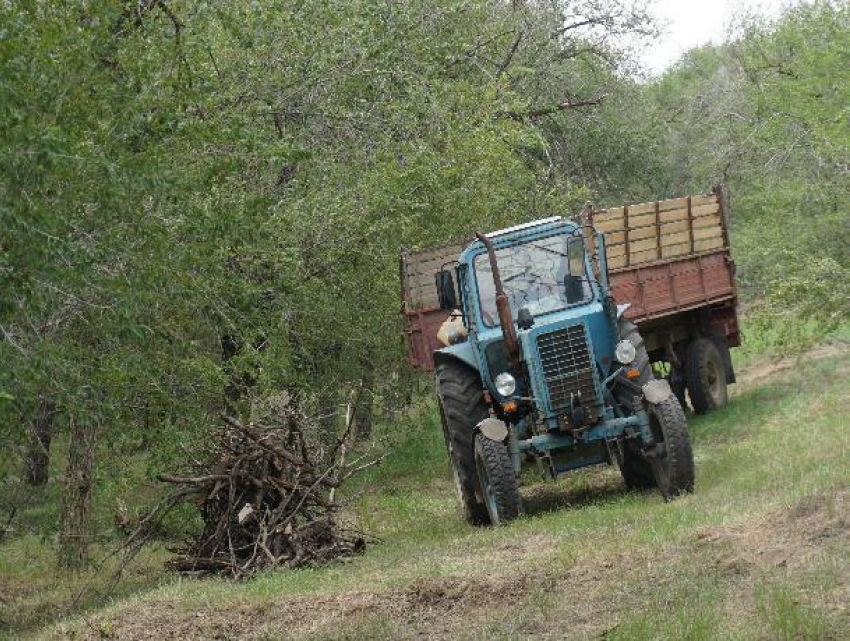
column 263, row 501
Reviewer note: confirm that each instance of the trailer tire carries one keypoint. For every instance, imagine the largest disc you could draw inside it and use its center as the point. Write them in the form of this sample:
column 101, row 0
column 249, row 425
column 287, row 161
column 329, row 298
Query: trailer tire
column 705, row 375
column 497, row 480
column 673, row 459
column 462, row 407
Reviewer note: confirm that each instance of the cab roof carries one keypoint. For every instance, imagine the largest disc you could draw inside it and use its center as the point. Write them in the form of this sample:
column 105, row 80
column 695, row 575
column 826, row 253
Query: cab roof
column 534, row 223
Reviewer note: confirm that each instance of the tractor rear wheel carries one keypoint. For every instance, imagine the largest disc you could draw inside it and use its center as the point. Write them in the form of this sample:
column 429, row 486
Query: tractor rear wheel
column 462, row 407
column 705, row 373
column 497, row 480
column 671, row 457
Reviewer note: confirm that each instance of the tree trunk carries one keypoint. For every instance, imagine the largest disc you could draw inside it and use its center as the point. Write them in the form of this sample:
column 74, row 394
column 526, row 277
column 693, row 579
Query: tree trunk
column 37, row 459
column 363, row 411
column 328, row 423
column 76, row 497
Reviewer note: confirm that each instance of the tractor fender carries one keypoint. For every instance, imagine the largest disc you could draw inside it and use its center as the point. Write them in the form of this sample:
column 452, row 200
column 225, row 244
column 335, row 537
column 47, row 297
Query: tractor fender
column 461, row 352
column 494, row 429
column 657, row 391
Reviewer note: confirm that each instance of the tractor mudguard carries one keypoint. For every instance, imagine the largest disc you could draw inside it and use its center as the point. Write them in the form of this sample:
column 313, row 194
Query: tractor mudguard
column 657, row 391
column 494, row 429
column 461, row 352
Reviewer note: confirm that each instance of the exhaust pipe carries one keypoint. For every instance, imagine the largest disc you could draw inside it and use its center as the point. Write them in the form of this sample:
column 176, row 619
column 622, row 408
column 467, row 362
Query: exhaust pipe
column 503, row 307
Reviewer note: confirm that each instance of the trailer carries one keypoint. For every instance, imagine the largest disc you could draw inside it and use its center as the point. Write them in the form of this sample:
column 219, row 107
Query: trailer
column 668, row 260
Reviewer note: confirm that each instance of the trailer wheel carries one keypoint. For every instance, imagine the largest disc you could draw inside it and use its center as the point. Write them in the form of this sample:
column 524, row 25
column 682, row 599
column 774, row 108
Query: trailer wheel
column 462, row 407
column 705, row 374
column 497, row 480
column 671, row 456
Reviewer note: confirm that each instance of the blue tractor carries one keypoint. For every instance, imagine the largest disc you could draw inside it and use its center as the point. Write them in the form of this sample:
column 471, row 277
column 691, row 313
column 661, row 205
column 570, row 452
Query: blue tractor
column 540, row 366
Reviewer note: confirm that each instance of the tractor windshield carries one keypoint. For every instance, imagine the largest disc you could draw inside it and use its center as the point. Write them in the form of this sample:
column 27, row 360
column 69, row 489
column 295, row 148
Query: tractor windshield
column 543, row 276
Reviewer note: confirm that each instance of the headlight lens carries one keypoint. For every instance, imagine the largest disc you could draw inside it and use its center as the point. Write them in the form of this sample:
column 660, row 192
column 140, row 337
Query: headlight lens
column 625, row 352
column 505, row 384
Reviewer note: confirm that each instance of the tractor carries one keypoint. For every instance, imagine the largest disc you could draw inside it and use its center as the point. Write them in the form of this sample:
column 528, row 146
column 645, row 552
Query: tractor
column 540, row 366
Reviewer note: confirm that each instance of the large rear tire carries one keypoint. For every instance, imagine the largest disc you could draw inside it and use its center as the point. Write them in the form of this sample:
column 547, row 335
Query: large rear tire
column 705, row 374
column 671, row 457
column 497, row 480
column 462, row 407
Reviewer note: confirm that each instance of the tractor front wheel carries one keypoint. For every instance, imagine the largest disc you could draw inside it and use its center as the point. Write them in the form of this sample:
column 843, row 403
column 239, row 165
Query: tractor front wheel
column 497, row 480
column 671, row 457
column 635, row 468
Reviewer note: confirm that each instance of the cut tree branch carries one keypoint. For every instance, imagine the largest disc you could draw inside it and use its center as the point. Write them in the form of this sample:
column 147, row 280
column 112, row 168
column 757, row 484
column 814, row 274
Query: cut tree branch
column 537, row 112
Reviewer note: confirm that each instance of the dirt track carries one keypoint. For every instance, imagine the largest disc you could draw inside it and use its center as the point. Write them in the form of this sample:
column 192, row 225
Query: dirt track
column 447, row 609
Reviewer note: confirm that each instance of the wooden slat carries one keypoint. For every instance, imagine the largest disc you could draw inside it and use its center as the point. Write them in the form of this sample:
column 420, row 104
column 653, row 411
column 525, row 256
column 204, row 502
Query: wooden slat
column 706, row 245
column 707, row 200
column 418, row 269
column 647, row 231
column 641, row 233
column 610, row 224
column 648, row 220
column 704, row 222
column 684, row 237
column 615, row 238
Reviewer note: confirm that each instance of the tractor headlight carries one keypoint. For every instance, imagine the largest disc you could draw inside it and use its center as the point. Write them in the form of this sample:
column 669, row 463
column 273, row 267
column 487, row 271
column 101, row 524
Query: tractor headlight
column 625, row 352
column 505, row 384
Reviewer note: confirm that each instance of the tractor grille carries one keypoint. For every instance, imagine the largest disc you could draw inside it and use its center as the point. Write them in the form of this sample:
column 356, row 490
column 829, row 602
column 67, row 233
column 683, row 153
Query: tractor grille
column 568, row 369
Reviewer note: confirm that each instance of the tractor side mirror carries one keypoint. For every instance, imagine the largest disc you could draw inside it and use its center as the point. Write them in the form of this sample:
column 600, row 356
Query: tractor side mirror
column 446, row 294
column 602, row 260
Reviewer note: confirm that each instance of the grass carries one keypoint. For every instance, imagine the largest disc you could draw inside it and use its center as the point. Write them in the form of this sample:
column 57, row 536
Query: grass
column 758, row 551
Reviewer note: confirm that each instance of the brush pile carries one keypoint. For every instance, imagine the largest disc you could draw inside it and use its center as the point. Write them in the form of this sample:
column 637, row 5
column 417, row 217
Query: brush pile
column 264, row 503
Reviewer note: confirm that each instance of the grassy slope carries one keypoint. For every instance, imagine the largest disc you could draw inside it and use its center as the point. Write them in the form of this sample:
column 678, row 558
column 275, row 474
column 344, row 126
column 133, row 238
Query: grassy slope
column 759, row 551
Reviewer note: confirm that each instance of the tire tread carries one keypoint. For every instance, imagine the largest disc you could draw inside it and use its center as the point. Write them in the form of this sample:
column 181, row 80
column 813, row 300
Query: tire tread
column 461, row 395
column 696, row 374
column 503, row 481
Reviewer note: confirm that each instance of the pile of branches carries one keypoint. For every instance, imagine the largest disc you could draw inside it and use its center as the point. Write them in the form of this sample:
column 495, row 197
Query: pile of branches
column 264, row 502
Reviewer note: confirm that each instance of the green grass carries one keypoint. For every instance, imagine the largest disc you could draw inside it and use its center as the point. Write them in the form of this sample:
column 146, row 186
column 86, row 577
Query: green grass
column 774, row 446
column 35, row 591
column 767, row 333
column 589, row 558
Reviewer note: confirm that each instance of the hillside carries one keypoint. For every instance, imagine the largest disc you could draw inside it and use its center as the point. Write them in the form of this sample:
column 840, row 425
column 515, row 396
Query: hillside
column 760, row 550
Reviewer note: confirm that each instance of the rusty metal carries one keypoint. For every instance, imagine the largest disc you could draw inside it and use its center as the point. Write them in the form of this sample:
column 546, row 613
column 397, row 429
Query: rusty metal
column 677, row 285
column 724, row 226
column 420, row 333
column 503, row 306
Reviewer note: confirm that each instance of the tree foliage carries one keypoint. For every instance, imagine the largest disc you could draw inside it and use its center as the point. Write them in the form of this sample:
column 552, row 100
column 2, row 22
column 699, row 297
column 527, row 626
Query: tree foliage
column 202, row 203
column 767, row 114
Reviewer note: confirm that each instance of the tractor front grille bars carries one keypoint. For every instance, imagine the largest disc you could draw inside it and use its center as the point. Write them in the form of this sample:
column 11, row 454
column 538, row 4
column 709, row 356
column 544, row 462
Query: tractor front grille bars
column 568, row 371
